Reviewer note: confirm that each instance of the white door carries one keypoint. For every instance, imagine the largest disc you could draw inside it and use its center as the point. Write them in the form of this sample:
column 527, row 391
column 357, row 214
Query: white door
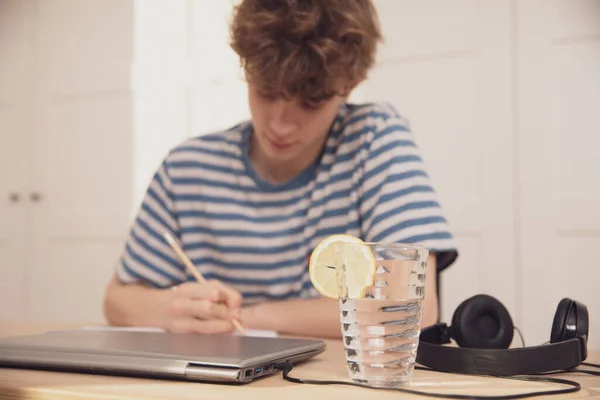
column 559, row 158
column 446, row 67
column 83, row 155
column 15, row 127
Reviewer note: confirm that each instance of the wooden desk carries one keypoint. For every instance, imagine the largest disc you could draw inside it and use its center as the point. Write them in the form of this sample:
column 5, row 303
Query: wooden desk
column 23, row 384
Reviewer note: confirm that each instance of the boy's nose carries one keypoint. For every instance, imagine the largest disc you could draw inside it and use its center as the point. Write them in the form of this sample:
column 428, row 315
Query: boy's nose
column 282, row 124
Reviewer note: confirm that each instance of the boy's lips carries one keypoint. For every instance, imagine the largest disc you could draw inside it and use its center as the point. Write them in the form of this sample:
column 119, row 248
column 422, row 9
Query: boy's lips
column 280, row 145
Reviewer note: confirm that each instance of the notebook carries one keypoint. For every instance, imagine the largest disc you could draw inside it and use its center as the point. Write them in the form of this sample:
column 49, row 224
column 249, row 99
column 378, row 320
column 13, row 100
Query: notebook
column 155, row 354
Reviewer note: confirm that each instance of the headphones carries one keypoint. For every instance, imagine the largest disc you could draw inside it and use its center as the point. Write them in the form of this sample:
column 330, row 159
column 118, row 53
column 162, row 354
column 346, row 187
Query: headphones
column 483, row 330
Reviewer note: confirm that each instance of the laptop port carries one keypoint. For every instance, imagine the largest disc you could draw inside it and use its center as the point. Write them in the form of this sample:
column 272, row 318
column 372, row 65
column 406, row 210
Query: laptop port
column 249, row 373
column 258, row 370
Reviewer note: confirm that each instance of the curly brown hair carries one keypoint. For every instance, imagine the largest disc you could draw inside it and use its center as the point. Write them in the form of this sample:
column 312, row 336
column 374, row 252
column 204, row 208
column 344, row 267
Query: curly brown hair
column 311, row 50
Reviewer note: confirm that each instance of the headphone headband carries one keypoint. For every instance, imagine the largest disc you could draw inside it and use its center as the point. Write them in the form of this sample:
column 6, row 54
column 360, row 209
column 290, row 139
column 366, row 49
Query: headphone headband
column 482, row 330
column 501, row 362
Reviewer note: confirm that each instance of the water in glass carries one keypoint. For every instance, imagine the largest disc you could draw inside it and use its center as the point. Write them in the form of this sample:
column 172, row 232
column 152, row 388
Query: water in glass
column 381, row 330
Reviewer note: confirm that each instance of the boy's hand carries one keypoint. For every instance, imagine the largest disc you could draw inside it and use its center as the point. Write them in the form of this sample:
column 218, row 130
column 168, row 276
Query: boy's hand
column 201, row 308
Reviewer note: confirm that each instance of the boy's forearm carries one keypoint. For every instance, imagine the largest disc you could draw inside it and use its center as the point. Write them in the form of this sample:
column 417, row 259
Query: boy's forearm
column 321, row 317
column 311, row 317
column 134, row 305
column 302, row 317
column 430, row 304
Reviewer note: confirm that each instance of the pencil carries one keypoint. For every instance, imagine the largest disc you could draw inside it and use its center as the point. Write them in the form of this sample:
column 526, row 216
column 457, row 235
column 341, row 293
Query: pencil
column 192, row 269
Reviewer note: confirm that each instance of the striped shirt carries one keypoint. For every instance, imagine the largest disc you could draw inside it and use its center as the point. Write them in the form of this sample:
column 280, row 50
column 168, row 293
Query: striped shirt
column 369, row 181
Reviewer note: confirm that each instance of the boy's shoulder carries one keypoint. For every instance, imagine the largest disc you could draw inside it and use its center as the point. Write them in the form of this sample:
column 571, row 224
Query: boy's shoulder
column 357, row 115
column 382, row 109
column 227, row 143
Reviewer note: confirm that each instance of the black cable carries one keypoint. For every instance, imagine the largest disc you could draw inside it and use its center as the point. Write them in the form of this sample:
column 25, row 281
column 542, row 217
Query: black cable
column 586, row 371
column 520, row 335
column 591, row 364
column 286, row 368
column 569, row 371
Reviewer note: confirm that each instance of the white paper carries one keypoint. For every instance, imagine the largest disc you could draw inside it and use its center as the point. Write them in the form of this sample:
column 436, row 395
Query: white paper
column 123, row 328
column 258, row 333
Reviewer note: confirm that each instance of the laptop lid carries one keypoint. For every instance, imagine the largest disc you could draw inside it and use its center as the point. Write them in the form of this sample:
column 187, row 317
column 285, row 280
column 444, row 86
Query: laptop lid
column 228, row 358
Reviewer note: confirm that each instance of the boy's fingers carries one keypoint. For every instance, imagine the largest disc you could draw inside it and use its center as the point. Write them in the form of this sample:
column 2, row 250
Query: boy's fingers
column 199, row 291
column 213, row 291
column 200, row 309
column 232, row 297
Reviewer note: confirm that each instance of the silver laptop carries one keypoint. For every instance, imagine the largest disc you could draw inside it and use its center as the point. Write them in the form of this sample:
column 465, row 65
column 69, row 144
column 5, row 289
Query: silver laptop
column 211, row 358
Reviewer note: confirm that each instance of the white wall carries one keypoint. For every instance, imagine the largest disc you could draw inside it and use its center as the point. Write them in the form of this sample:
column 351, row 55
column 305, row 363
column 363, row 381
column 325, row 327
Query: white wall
column 501, row 95
column 558, row 183
column 504, row 97
column 446, row 66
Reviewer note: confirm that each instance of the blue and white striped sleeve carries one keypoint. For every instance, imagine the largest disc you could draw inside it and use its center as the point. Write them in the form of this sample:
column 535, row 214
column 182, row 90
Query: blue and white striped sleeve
column 397, row 201
column 147, row 258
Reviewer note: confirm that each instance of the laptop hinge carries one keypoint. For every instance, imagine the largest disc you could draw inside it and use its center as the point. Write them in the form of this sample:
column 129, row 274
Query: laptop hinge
column 207, row 373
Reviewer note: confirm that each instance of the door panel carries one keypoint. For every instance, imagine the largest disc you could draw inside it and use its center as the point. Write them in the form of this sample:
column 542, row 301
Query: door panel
column 16, row 43
column 559, row 138
column 83, row 155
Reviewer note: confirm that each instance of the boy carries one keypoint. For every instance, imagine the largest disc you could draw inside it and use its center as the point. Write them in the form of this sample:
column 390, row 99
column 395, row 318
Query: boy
column 249, row 204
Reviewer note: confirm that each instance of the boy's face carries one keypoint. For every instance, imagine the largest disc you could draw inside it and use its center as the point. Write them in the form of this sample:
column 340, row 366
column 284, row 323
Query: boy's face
column 289, row 130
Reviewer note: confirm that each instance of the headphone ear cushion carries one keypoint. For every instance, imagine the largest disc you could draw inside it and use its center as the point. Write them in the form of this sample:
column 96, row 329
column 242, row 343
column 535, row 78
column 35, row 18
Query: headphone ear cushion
column 570, row 320
column 557, row 334
column 482, row 322
column 582, row 321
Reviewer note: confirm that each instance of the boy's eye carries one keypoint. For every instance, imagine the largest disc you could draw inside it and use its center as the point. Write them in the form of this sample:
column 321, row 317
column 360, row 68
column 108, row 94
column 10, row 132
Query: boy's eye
column 311, row 105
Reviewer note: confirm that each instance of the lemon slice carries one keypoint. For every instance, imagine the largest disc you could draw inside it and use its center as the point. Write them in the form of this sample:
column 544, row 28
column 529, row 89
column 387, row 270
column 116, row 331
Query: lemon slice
column 360, row 267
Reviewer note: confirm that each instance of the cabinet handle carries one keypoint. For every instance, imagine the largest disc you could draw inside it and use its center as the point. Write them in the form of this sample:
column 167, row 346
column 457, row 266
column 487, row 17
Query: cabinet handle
column 14, row 197
column 35, row 197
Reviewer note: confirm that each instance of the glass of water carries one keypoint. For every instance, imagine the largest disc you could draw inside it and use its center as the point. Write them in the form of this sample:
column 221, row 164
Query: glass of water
column 381, row 323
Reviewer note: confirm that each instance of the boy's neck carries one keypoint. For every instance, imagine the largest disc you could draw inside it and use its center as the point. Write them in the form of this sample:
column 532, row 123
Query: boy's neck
column 278, row 172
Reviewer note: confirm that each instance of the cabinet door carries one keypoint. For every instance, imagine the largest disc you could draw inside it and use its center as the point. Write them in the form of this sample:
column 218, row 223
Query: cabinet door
column 559, row 158
column 83, row 155
column 15, row 125
column 446, row 66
